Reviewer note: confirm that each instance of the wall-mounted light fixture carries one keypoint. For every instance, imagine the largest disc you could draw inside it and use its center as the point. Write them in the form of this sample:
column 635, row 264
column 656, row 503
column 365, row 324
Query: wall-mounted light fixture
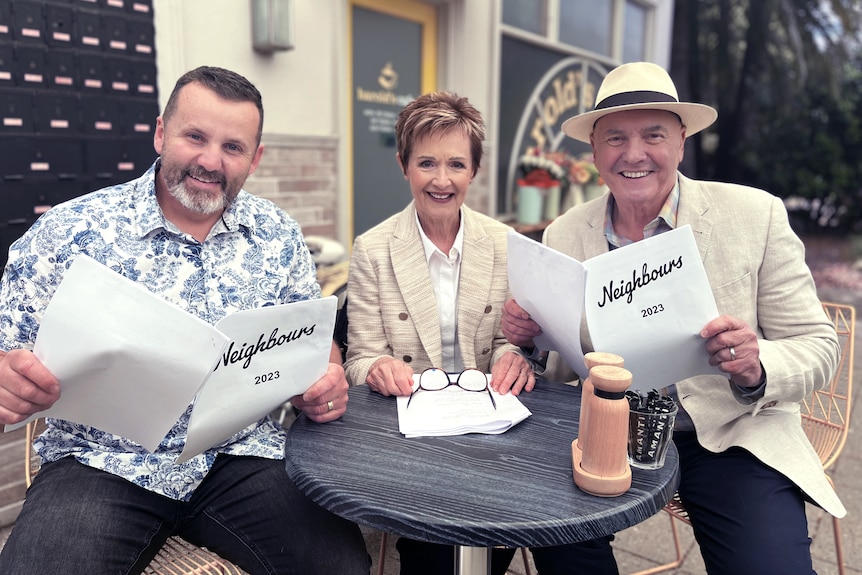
column 271, row 25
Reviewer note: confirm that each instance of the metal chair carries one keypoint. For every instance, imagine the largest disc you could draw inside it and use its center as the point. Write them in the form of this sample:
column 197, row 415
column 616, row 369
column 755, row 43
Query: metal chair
column 825, row 419
column 333, row 279
column 176, row 557
column 826, row 414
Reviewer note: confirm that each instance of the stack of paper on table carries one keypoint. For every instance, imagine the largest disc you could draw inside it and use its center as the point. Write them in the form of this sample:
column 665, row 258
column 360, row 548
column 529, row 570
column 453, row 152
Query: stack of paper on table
column 455, row 411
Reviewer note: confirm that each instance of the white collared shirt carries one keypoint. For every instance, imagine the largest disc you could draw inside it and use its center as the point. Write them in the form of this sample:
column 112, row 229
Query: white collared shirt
column 445, row 271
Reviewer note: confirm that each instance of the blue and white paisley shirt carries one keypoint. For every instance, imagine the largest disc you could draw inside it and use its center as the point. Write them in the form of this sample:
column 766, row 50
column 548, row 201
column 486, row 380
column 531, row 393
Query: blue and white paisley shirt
column 254, row 256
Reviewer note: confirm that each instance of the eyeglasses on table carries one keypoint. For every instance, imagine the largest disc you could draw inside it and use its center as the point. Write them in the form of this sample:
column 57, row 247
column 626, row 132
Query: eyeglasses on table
column 435, row 379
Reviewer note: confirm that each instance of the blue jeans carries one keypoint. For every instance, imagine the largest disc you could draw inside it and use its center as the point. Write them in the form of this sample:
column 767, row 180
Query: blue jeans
column 80, row 520
column 747, row 517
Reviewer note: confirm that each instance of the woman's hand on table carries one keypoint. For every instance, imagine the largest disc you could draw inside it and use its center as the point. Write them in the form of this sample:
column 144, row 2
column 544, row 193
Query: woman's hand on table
column 512, row 373
column 390, row 376
column 326, row 399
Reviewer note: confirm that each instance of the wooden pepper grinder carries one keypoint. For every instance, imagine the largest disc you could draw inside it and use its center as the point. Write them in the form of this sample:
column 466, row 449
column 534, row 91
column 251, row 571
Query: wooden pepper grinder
column 592, row 359
column 600, row 465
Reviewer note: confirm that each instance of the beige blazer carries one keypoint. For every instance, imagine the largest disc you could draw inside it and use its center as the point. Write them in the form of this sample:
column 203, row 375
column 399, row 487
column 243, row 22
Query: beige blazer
column 391, row 306
column 756, row 267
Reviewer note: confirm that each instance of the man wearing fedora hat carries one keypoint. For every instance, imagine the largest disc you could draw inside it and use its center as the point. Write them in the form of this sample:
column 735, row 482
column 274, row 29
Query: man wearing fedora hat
column 746, row 467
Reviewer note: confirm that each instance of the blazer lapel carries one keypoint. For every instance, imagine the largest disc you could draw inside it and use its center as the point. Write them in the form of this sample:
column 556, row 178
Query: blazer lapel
column 413, row 278
column 477, row 267
column 693, row 210
column 594, row 240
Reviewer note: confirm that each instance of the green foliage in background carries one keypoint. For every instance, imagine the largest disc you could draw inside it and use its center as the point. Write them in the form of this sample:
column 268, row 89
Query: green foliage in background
column 785, row 78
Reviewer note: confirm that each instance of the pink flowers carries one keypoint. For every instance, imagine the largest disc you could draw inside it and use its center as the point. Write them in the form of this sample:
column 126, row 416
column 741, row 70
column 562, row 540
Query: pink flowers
column 559, row 165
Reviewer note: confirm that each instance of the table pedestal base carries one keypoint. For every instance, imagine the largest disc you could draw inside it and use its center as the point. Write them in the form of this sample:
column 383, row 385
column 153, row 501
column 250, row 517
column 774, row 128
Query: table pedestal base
column 599, row 485
column 472, row 560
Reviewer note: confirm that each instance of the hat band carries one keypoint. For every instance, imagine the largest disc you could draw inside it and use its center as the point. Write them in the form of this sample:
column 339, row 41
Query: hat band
column 636, row 97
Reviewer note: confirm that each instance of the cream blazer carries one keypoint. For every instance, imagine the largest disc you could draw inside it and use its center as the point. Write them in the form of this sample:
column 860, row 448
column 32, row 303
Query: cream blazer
column 391, row 306
column 756, row 267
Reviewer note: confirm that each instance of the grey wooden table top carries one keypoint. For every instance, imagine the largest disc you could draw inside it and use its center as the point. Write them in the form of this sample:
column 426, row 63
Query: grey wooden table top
column 515, row 489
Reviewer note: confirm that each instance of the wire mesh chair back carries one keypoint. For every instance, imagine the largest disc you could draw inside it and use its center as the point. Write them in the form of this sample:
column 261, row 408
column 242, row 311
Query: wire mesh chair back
column 826, row 414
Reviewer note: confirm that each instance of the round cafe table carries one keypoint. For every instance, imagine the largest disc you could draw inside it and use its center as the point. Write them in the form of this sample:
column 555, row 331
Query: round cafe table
column 473, row 491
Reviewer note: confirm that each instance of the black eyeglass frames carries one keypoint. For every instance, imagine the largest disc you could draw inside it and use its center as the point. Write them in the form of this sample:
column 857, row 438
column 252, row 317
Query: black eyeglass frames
column 471, row 379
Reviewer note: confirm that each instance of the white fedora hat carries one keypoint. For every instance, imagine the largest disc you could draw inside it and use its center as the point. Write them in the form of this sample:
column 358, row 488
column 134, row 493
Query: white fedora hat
column 639, row 85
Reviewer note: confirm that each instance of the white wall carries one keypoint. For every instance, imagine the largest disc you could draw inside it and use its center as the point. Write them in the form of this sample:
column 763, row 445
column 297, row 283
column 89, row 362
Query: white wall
column 468, row 65
column 299, row 86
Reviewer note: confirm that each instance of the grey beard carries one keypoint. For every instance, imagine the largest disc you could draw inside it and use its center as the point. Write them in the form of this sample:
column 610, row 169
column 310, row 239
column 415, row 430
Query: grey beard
column 200, row 203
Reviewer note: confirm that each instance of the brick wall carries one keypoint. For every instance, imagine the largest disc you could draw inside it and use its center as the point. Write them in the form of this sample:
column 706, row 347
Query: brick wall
column 300, row 175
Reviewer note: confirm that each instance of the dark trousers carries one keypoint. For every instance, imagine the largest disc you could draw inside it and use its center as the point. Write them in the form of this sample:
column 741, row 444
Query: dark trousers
column 79, row 520
column 747, row 517
column 589, row 558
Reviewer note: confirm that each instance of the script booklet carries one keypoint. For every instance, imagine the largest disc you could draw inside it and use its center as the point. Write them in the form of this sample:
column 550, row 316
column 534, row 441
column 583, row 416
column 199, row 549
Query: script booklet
column 130, row 363
column 646, row 302
column 456, row 411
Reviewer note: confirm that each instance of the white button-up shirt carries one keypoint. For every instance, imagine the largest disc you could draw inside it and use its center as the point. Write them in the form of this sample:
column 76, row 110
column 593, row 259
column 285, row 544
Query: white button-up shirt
column 445, row 270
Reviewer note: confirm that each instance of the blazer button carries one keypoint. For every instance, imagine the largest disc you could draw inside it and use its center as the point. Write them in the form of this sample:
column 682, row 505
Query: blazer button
column 407, row 359
column 486, row 351
column 402, row 316
column 488, row 309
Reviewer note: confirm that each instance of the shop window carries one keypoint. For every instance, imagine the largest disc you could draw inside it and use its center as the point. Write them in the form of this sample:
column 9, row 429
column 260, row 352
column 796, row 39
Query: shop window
column 587, row 24
column 634, row 36
column 529, row 15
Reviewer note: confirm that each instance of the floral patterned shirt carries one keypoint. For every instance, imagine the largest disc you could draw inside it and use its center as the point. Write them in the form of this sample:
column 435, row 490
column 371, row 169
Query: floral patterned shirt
column 254, row 256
